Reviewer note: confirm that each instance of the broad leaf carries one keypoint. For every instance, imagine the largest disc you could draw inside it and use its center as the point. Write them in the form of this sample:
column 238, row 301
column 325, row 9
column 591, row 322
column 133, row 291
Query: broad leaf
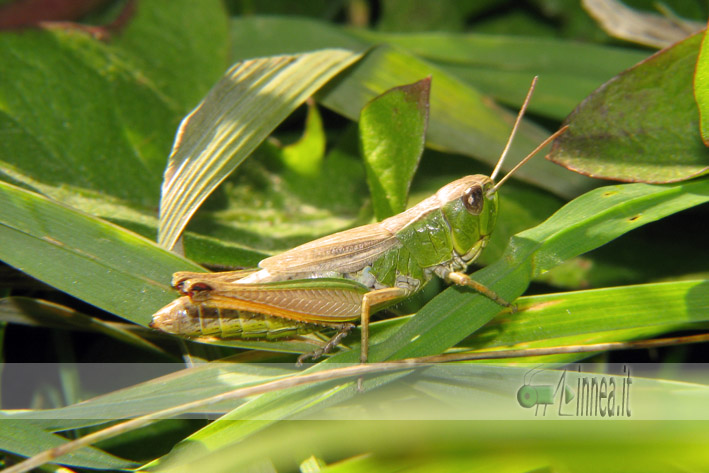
column 89, row 123
column 641, row 126
column 392, row 130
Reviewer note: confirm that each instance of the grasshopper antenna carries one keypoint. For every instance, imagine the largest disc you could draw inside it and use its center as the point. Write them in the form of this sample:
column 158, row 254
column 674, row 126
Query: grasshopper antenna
column 520, row 114
column 529, row 156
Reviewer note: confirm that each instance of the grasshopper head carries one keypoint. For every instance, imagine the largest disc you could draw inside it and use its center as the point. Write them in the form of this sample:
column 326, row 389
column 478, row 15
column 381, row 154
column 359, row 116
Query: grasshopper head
column 471, row 211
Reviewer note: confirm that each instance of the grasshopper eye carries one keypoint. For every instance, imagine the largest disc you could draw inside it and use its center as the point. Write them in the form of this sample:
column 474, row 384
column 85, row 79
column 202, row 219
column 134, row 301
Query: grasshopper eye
column 473, row 200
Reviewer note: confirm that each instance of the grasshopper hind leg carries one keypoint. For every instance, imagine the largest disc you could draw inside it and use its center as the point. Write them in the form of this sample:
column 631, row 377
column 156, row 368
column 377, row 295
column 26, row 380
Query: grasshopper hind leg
column 342, row 331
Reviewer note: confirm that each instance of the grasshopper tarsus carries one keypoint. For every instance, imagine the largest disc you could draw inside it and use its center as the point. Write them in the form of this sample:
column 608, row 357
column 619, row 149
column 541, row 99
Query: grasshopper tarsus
column 302, row 358
column 462, row 279
column 343, row 331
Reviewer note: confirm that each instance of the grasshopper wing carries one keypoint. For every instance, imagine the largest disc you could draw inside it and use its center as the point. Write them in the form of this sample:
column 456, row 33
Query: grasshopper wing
column 309, row 300
column 342, row 252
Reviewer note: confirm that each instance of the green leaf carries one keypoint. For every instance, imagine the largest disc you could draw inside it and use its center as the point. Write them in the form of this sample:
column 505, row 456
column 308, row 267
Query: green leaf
column 45, row 121
column 96, row 261
column 270, row 206
column 392, row 133
column 93, row 260
column 480, row 392
column 642, row 126
column 240, row 111
column 173, row 386
column 701, row 88
column 461, row 119
column 416, row 15
column 574, row 317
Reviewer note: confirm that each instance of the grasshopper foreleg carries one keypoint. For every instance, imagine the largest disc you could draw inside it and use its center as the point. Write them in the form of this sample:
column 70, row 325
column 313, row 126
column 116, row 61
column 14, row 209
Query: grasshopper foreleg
column 462, row 279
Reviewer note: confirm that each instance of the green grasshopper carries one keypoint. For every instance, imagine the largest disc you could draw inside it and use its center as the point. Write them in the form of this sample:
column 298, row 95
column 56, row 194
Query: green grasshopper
column 336, row 280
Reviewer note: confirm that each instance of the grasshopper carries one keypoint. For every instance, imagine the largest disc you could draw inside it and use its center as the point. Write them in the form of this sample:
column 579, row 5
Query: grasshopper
column 336, row 280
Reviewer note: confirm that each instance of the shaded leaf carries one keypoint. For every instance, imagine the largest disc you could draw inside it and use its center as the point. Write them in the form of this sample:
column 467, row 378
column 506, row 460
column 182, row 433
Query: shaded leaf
column 392, row 134
column 181, row 46
column 641, row 126
column 416, row 15
column 168, row 385
column 49, row 146
column 240, row 111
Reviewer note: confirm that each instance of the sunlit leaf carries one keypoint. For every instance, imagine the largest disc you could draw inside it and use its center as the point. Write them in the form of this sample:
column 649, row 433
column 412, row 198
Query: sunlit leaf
column 240, row 111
